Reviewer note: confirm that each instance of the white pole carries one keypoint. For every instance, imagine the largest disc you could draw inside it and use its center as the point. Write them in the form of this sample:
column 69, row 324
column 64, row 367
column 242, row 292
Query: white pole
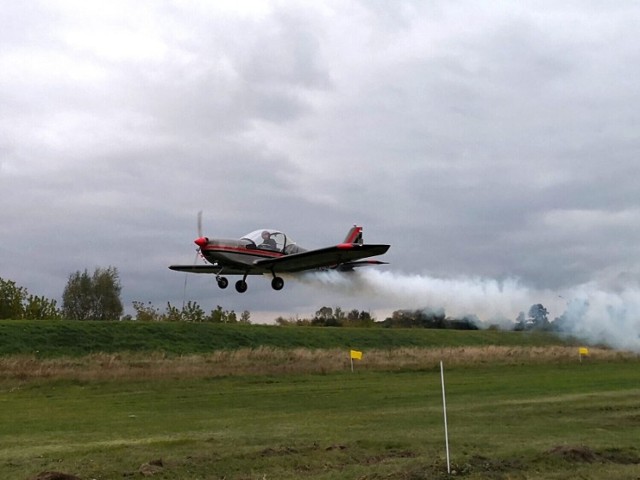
column 444, row 409
column 351, row 363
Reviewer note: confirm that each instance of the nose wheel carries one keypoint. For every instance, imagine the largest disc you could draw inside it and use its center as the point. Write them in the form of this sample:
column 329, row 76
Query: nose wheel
column 222, row 282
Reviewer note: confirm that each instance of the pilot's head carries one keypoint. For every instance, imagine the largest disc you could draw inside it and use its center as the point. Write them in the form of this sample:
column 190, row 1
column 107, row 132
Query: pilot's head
column 265, row 235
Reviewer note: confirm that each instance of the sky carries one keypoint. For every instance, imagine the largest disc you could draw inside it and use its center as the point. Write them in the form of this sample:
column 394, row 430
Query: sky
column 493, row 145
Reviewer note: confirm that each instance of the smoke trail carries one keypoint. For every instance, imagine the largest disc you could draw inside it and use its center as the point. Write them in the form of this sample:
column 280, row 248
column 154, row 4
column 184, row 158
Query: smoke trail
column 488, row 299
column 602, row 316
column 587, row 311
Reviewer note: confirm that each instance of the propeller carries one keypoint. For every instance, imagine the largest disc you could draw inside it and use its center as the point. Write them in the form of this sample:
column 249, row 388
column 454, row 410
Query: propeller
column 200, row 243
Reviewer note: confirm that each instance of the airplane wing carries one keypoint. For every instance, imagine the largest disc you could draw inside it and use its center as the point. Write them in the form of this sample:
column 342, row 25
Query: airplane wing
column 217, row 269
column 343, row 254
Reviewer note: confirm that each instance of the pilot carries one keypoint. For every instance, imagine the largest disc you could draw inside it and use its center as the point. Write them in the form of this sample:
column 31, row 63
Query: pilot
column 267, row 242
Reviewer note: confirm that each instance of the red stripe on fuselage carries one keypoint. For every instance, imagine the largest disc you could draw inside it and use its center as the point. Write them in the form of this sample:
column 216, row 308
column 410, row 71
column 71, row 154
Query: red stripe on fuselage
column 255, row 252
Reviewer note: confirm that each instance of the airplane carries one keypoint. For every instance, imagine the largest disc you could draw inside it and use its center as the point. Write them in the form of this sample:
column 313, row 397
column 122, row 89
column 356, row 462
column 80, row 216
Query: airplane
column 269, row 251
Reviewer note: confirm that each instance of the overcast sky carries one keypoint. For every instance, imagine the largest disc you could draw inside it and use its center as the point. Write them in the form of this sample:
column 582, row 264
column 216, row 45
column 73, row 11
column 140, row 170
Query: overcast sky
column 487, row 142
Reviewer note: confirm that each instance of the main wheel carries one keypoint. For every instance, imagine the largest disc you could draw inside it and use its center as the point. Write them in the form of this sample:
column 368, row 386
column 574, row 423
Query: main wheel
column 241, row 286
column 277, row 283
column 223, row 282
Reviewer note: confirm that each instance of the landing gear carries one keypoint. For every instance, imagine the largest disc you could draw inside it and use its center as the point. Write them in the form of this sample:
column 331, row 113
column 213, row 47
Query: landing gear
column 277, row 283
column 241, row 286
column 222, row 281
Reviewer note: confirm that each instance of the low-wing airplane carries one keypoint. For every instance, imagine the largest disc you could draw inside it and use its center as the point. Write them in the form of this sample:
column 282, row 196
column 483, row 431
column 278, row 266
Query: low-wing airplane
column 268, row 251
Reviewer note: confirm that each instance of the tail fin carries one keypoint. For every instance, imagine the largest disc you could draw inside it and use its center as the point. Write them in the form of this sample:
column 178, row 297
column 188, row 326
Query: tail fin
column 354, row 235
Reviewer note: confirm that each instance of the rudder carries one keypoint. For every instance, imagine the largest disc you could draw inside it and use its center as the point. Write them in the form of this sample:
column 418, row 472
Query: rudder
column 354, row 235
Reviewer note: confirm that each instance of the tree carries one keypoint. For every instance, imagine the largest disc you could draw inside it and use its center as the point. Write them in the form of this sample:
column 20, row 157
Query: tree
column 11, row 298
column 107, row 288
column 16, row 303
column 327, row 317
column 230, row 317
column 192, row 312
column 146, row 313
column 538, row 317
column 217, row 315
column 245, row 318
column 77, row 297
column 40, row 308
column 421, row 318
column 357, row 318
column 172, row 314
column 322, row 316
column 95, row 297
column 293, row 321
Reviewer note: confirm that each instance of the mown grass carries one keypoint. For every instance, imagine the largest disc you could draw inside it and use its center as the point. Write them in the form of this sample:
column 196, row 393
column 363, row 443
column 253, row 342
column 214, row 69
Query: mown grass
column 556, row 419
column 65, row 338
column 183, row 401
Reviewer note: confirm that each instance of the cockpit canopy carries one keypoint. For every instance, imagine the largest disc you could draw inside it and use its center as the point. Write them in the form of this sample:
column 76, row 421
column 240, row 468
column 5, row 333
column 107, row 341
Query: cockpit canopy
column 270, row 239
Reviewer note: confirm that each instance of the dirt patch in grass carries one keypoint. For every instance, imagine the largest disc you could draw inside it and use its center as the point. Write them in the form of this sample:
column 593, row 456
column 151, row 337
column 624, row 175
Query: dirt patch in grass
column 574, row 453
column 488, row 467
column 151, row 468
column 279, row 451
column 584, row 454
column 55, row 476
column 388, row 456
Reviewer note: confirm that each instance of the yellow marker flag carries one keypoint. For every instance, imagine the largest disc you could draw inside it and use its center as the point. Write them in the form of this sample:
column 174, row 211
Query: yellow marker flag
column 584, row 351
column 355, row 354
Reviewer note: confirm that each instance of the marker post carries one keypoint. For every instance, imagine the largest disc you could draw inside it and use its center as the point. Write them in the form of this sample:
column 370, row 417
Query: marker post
column 444, row 410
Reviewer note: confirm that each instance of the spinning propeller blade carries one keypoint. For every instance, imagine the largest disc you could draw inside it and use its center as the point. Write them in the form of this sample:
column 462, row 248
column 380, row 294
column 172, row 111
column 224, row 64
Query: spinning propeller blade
column 195, row 260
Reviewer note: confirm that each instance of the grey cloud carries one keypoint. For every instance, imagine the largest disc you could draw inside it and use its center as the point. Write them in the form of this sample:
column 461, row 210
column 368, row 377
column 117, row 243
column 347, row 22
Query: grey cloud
column 481, row 140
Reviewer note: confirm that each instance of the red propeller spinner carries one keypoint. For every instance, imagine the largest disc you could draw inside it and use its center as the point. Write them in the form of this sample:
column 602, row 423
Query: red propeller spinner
column 201, row 242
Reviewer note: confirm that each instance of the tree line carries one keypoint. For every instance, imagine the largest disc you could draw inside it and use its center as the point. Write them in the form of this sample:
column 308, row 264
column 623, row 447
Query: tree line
column 330, row 317
column 418, row 318
column 96, row 296
column 190, row 312
column 537, row 319
column 16, row 302
column 85, row 297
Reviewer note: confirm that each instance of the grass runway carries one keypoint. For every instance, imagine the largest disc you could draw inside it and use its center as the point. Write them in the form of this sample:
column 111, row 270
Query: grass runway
column 557, row 419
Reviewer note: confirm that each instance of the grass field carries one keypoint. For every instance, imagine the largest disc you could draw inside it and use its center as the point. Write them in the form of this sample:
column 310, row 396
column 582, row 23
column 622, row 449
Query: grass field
column 529, row 421
column 56, row 338
column 521, row 409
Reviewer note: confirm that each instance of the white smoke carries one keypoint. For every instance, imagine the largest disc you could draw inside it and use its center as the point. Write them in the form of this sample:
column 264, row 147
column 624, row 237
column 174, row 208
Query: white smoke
column 601, row 316
column 588, row 311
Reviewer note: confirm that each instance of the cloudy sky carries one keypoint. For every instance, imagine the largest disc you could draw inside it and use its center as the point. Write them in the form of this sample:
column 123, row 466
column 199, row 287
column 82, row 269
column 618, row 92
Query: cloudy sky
column 494, row 145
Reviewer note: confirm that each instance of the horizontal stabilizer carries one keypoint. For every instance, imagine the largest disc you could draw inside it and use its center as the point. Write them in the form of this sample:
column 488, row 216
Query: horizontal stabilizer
column 349, row 266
